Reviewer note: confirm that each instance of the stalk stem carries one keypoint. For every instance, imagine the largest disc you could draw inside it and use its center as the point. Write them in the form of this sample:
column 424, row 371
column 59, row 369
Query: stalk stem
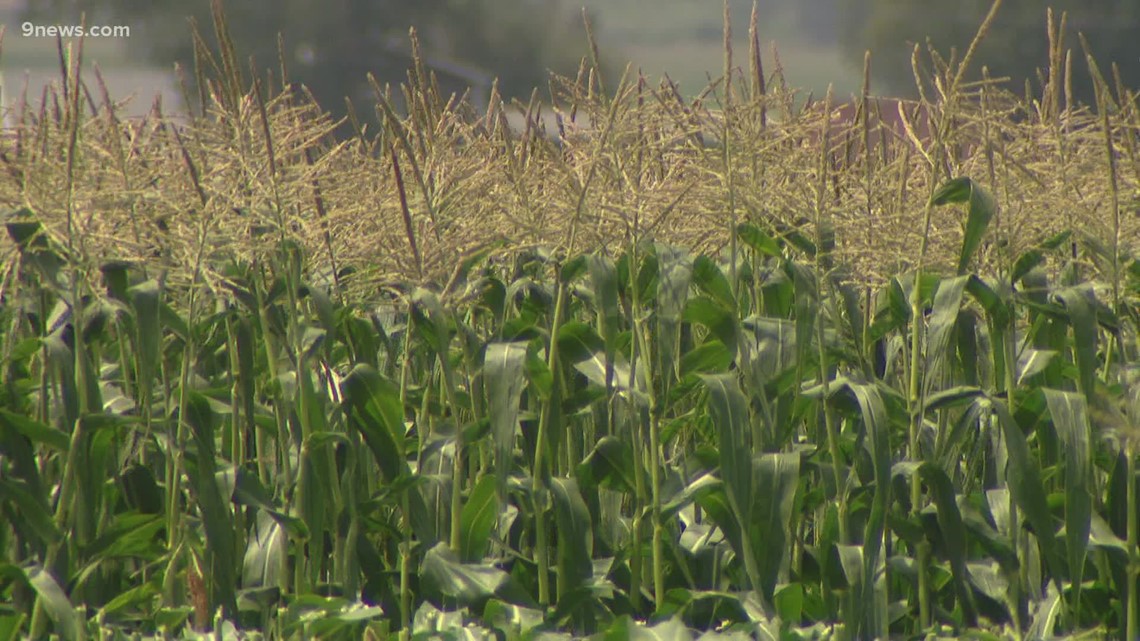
column 635, row 561
column 405, row 573
column 658, row 530
column 544, row 420
column 457, row 468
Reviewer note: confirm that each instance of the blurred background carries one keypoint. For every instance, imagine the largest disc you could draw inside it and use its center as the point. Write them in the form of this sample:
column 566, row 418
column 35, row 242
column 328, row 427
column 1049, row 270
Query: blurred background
column 330, row 45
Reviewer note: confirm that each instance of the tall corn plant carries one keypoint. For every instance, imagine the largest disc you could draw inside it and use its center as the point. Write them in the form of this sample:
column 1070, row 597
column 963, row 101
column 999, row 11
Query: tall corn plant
column 567, row 440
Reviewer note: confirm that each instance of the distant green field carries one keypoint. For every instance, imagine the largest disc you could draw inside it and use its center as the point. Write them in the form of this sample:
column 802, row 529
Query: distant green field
column 684, row 39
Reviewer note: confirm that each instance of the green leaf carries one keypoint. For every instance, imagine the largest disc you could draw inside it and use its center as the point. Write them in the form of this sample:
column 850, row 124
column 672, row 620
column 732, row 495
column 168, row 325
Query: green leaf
column 577, row 341
column 793, row 237
column 37, row 249
column 505, row 617
column 1026, row 263
column 248, row 490
column 775, row 348
column 807, row 311
column 981, row 212
column 610, row 465
column 1024, row 478
column 372, row 404
column 140, row 489
column 626, row 629
column 323, row 305
column 171, row 320
column 478, row 520
column 54, row 600
column 992, row 582
column 1046, row 615
column 950, row 443
column 943, row 320
column 1102, row 537
column 997, row 546
column 594, row 369
column 647, row 277
column 711, row 281
column 216, row 516
column 721, row 321
column 137, row 596
column 266, row 548
column 575, row 534
column 756, row 239
column 431, row 321
column 995, row 305
column 539, row 374
column 466, row 583
column 130, row 535
column 710, row 357
column 876, row 422
column 789, row 601
column 953, row 397
column 675, row 277
column 146, row 306
column 1070, row 419
column 504, row 375
column 775, row 480
column 116, row 276
column 705, row 606
column 697, row 488
column 952, row 528
column 1082, row 320
column 574, row 268
column 604, row 278
column 34, row 431
column 20, row 460
column 729, row 411
column 712, row 497
column 850, row 561
column 33, row 510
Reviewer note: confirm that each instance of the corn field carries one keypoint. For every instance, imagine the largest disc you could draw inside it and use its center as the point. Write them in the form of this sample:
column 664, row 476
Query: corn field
column 217, row 417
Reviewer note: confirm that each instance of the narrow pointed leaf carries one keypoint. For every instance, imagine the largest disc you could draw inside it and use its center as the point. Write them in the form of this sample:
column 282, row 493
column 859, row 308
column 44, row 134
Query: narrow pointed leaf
column 504, row 374
column 216, row 516
column 55, row 601
column 981, row 210
column 1024, row 478
column 943, row 319
column 775, row 480
column 729, row 411
column 575, row 533
column 876, row 422
column 676, row 273
column 146, row 303
column 719, row 320
column 467, row 583
column 953, row 532
column 372, row 404
column 1082, row 320
column 478, row 520
column 711, row 281
column 759, row 241
column 1070, row 419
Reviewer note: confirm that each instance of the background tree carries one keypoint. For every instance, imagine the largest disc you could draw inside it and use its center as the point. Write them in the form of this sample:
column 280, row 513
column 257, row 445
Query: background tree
column 331, row 45
column 1017, row 46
